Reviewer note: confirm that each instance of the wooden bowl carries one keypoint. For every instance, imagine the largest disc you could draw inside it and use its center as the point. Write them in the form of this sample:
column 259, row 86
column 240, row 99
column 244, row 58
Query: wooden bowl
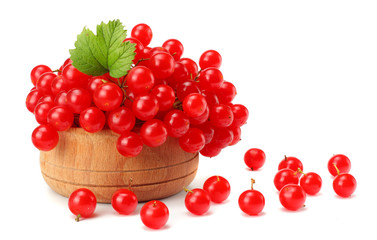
column 92, row 161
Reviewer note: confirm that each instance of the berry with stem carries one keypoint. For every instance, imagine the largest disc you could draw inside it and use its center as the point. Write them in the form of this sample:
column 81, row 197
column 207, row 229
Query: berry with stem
column 251, row 201
column 218, row 188
column 344, row 184
column 197, row 201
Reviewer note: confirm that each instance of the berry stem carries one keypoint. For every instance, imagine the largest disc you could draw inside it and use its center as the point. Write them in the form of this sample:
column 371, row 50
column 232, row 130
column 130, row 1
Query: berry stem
column 187, row 190
column 337, row 169
column 140, row 60
column 218, row 179
column 77, row 219
column 130, row 183
column 299, row 171
column 57, row 70
column 252, row 183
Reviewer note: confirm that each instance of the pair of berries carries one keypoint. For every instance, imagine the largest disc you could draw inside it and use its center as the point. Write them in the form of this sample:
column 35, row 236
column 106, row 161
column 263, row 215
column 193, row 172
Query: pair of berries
column 215, row 189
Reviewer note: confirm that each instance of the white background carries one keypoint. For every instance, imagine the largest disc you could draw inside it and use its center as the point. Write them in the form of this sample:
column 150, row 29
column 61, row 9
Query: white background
column 305, row 69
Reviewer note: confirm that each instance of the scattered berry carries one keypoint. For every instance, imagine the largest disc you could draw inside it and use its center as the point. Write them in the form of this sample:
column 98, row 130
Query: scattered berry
column 254, row 158
column 82, row 203
column 154, row 214
column 197, row 201
column 251, row 201
column 218, row 188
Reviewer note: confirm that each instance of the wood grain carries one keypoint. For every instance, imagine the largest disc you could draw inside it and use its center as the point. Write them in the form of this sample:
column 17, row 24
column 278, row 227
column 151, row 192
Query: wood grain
column 92, row 161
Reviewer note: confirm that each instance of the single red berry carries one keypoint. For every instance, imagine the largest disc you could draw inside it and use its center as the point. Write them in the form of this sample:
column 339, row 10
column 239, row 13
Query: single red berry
column 197, row 201
column 292, row 197
column 44, row 83
column 291, row 163
column 74, row 78
column 218, row 188
column 121, row 120
column 140, row 80
column 185, row 88
column 32, row 100
column 174, row 47
column 94, row 82
column 177, row 123
column 165, row 96
column 108, row 96
column 285, row 176
column 179, row 75
column 222, row 137
column 193, row 141
column 344, row 184
column 162, row 65
column 92, row 119
column 311, row 183
column 210, row 79
column 41, row 111
column 37, row 71
column 154, row 133
column 58, row 85
column 154, row 214
column 208, row 131
column 60, row 118
column 201, row 119
column 145, row 107
column 45, row 137
column 211, row 98
column 124, row 201
column 194, row 105
column 254, row 158
column 341, row 161
column 221, row 116
column 210, row 150
column 82, row 203
column 251, row 201
column 191, row 67
column 226, row 93
column 143, row 33
column 78, row 99
column 210, row 58
column 129, row 144
column 240, row 115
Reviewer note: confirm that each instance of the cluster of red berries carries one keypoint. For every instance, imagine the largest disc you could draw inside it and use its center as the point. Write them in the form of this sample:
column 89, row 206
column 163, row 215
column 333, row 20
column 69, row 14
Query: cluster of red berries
column 162, row 95
column 293, row 184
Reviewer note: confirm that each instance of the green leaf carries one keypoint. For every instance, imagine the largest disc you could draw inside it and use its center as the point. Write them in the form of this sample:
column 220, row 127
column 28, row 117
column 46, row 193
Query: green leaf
column 105, row 52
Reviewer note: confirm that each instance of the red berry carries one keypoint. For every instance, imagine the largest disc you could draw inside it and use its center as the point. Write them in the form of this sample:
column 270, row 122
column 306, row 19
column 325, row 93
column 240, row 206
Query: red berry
column 165, row 96
column 61, row 99
column 37, row 71
column 124, row 201
column 221, row 116
column 222, row 137
column 197, row 201
column 140, row 80
column 292, row 197
column 129, row 144
column 211, row 98
column 162, row 65
column 41, row 111
column 218, row 188
column 145, row 107
column 210, row 150
column 210, row 79
column 60, row 118
column 75, row 78
column 344, row 185
column 251, row 201
column 240, row 115
column 154, row 133
column 191, row 67
column 311, row 183
column 226, row 92
column 92, row 119
column 180, row 75
column 82, row 203
column 143, row 33
column 284, row 177
column 194, row 105
column 174, row 47
column 341, row 161
column 177, row 123
column 44, row 83
column 32, row 100
column 78, row 99
column 108, row 96
column 210, row 58
column 208, row 131
column 254, row 158
column 45, row 137
column 292, row 163
column 94, row 82
column 193, row 141
column 200, row 120
column 121, row 120
column 185, row 88
column 58, row 85
column 154, row 214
